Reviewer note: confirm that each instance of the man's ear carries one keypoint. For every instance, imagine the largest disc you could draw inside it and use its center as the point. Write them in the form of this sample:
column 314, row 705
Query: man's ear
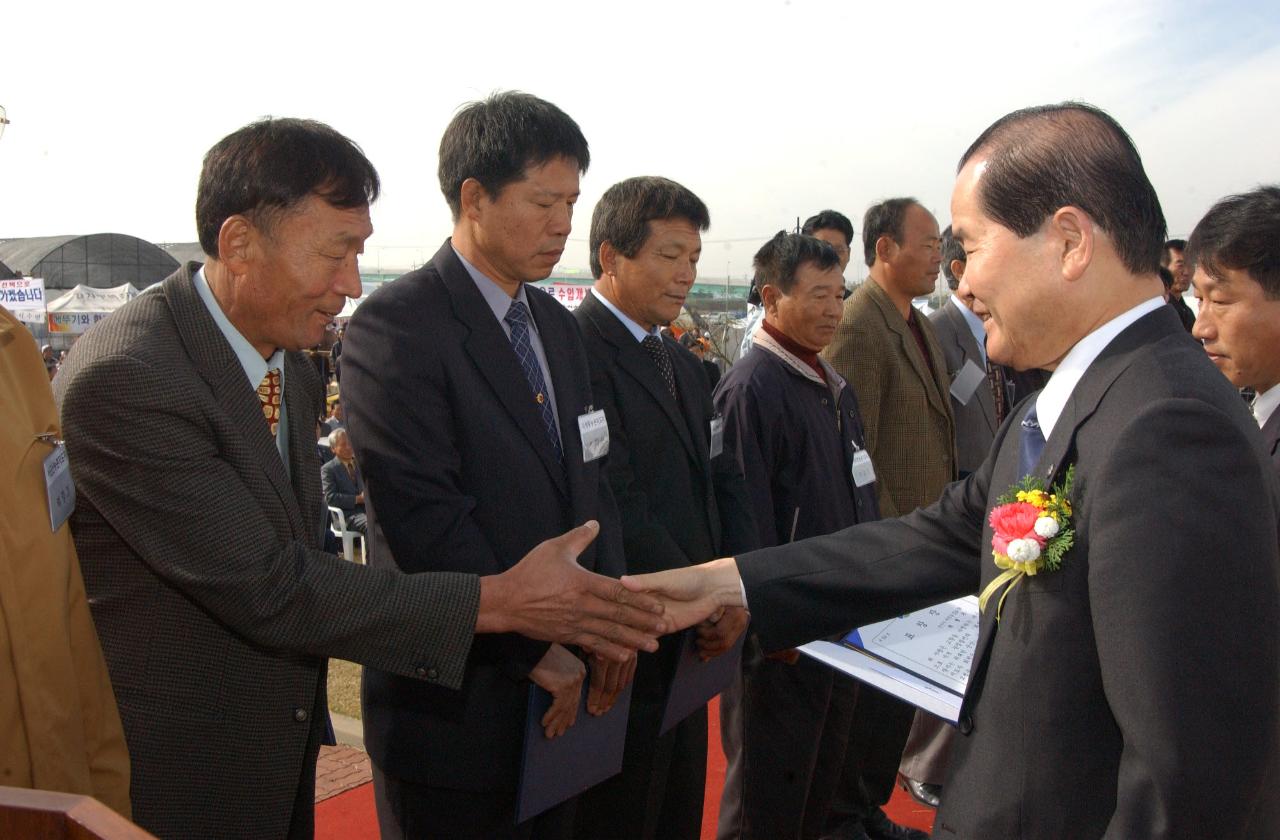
column 886, row 248
column 472, row 196
column 957, row 269
column 236, row 240
column 769, row 297
column 608, row 258
column 1076, row 235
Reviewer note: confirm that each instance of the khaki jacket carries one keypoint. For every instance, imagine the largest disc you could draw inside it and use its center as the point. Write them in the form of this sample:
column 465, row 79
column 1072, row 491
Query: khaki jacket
column 59, row 727
column 906, row 412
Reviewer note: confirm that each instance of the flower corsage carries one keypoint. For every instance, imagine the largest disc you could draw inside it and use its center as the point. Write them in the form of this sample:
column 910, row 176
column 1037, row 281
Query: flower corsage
column 1032, row 531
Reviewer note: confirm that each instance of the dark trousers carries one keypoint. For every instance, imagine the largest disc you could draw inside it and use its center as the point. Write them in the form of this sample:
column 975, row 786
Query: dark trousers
column 410, row 811
column 658, row 795
column 784, row 731
column 879, row 731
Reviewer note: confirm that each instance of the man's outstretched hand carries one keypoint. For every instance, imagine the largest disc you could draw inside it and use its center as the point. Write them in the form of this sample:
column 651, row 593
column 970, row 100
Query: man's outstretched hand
column 693, row 594
column 548, row 596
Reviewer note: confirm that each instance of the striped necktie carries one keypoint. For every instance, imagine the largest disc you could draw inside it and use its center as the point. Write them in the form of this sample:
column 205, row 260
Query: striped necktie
column 518, row 320
column 658, row 352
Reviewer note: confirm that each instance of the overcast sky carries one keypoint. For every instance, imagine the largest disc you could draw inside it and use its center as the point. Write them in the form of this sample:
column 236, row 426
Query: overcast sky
column 768, row 110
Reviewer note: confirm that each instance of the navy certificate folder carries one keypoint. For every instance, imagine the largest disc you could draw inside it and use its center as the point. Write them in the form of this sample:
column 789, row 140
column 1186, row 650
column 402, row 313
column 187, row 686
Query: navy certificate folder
column 556, row 769
column 695, row 682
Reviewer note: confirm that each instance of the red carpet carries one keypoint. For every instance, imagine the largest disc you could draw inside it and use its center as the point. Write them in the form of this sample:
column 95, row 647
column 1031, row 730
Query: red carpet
column 350, row 815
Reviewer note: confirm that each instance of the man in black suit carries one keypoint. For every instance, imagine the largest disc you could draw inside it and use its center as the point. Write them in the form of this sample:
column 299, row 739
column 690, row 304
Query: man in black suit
column 681, row 499
column 1115, row 696
column 343, row 484
column 1174, row 259
column 467, row 394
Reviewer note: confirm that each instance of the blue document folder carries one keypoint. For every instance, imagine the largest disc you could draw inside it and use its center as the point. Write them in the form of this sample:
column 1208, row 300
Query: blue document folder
column 695, row 682
column 556, row 769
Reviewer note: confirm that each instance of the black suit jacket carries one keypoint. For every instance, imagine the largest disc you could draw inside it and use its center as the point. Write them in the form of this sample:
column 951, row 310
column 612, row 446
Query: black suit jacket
column 460, row 476
column 678, row 506
column 1271, row 437
column 1116, row 698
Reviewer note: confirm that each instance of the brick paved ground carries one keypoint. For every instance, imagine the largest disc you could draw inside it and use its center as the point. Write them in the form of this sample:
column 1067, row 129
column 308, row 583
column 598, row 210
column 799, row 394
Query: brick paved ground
column 340, row 769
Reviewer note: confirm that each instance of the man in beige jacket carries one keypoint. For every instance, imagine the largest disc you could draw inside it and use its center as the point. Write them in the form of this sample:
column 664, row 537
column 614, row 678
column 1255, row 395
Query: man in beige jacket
column 59, row 727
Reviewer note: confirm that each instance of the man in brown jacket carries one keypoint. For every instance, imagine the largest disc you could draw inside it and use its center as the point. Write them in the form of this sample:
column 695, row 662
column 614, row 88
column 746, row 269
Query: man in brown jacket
column 890, row 354
column 59, row 727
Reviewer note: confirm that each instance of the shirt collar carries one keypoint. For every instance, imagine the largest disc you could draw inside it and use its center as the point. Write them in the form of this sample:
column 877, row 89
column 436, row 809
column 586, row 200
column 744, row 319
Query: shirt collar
column 494, row 295
column 1265, row 404
column 976, row 326
column 1053, row 399
column 635, row 329
column 255, row 367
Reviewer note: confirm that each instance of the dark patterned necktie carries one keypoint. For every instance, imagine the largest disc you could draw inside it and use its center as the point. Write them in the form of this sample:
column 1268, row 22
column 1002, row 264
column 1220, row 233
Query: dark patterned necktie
column 269, row 396
column 995, row 379
column 1032, row 443
column 518, row 320
column 658, row 352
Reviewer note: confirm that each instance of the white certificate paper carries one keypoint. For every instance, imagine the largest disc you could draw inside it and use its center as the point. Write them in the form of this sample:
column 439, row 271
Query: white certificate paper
column 922, row 657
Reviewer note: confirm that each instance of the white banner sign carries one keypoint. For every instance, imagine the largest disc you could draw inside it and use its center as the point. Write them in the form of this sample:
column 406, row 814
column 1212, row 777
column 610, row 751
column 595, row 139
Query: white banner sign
column 568, row 294
column 24, row 297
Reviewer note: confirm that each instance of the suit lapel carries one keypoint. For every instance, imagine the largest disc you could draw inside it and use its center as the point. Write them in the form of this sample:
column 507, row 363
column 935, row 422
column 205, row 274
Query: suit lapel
column 910, row 350
column 491, row 352
column 304, row 463
column 689, row 381
column 636, row 362
column 219, row 366
column 1271, row 432
column 970, row 351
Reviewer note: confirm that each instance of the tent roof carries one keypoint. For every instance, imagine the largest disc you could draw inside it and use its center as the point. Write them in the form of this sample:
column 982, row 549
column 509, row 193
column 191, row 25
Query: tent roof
column 23, row 254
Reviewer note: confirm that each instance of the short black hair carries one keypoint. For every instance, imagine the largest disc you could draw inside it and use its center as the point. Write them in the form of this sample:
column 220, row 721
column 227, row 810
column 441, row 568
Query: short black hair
column 1241, row 233
column 623, row 213
column 884, row 219
column 778, row 260
column 271, row 166
column 829, row 220
column 1172, row 245
column 952, row 250
column 496, row 139
column 1072, row 154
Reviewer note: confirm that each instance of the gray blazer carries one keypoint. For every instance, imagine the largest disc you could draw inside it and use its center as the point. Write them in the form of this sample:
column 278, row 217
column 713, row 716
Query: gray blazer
column 1115, row 698
column 215, row 609
column 975, row 420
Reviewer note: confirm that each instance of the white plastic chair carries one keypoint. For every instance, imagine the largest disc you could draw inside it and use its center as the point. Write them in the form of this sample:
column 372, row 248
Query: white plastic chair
column 338, row 525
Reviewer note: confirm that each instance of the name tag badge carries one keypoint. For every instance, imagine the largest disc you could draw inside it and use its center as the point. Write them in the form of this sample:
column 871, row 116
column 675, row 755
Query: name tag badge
column 717, row 435
column 57, row 481
column 967, row 381
column 594, row 429
column 863, row 472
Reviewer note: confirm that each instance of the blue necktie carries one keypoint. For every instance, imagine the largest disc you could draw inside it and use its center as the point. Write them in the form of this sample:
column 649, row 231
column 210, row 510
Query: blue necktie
column 1032, row 443
column 518, row 319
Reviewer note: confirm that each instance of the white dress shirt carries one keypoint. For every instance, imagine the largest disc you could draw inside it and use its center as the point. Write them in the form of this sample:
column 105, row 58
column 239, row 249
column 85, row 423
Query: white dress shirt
column 1264, row 405
column 1053, row 399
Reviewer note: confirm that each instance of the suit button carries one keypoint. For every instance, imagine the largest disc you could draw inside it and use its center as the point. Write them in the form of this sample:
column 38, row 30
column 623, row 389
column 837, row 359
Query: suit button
column 426, row 673
column 300, row 715
column 433, row 674
column 965, row 724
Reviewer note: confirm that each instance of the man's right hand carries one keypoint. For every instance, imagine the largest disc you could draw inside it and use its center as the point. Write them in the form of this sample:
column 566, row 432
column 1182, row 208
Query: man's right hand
column 548, row 596
column 560, row 673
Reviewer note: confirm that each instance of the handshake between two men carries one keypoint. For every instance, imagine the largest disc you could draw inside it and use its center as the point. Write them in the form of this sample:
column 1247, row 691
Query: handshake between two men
column 548, row 596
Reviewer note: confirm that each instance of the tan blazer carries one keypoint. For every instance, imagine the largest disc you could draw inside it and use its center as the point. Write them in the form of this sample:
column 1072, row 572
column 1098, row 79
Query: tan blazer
column 59, row 727
column 906, row 412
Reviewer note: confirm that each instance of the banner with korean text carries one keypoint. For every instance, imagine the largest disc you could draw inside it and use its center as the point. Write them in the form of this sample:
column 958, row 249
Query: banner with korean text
column 24, row 297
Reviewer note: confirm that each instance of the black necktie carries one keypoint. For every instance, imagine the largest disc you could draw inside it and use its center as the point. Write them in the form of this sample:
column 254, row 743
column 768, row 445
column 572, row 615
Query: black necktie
column 1032, row 443
column 658, row 352
column 995, row 379
column 518, row 320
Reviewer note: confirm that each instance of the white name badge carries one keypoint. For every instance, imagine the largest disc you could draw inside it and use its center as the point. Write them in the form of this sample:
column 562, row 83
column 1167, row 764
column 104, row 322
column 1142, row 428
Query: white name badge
column 967, row 381
column 863, row 472
column 717, row 435
column 594, row 429
column 57, row 482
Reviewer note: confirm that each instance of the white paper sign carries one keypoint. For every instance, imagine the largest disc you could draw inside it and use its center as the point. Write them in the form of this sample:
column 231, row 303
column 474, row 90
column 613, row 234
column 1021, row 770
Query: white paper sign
column 967, row 381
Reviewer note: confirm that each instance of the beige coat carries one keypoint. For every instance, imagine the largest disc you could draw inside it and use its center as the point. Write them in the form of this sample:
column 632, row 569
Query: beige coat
column 906, row 412
column 59, row 728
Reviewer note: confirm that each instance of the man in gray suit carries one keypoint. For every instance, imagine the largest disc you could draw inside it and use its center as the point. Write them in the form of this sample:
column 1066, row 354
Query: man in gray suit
column 342, row 482
column 1116, row 696
column 190, row 417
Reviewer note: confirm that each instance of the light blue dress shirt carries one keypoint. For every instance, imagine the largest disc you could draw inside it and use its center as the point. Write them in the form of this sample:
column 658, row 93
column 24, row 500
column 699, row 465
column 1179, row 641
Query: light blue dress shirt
column 499, row 301
column 635, row 329
column 976, row 327
column 255, row 367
